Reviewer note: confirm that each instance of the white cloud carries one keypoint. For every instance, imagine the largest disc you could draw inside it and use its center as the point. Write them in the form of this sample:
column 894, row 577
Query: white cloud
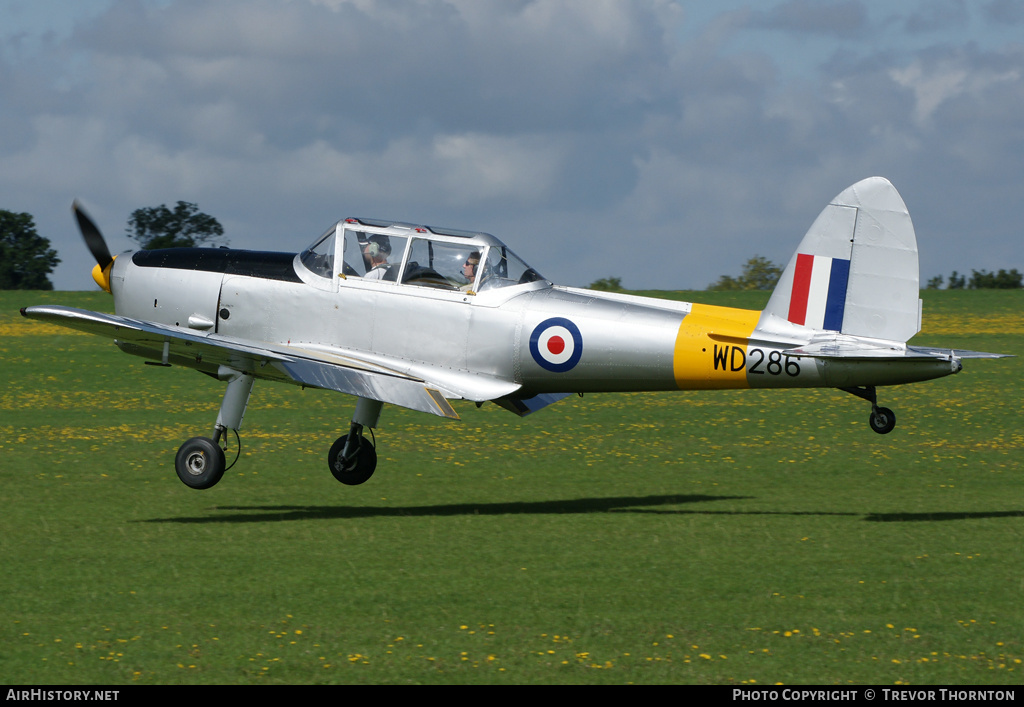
column 486, row 167
column 935, row 83
column 931, row 90
column 588, row 116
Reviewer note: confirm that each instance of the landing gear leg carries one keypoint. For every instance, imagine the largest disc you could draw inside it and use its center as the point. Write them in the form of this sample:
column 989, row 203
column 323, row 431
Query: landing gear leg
column 353, row 458
column 882, row 420
column 200, row 461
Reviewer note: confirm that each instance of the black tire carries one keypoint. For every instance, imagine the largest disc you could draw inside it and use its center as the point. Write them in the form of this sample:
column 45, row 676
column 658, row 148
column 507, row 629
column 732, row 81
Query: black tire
column 199, row 463
column 883, row 421
column 359, row 469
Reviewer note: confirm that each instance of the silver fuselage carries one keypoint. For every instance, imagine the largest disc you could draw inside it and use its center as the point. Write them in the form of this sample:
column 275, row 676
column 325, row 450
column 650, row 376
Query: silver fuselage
column 618, row 342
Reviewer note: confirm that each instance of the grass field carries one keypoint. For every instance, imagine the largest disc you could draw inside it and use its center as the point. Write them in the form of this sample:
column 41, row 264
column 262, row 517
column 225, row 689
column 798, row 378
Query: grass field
column 718, row 537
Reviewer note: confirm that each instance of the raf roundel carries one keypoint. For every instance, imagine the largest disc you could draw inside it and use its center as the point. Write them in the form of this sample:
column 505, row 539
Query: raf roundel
column 556, row 345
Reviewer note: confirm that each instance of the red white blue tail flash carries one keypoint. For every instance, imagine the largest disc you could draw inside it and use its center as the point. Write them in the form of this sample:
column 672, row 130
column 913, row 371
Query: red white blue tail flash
column 818, row 299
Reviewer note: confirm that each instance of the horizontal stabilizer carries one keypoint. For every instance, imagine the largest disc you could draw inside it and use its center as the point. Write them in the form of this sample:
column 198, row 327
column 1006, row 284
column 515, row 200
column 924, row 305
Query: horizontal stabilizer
column 956, row 353
column 848, row 350
column 852, row 350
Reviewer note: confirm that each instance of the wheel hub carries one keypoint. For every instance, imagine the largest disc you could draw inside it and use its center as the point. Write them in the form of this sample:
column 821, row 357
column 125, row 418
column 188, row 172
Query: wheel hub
column 195, row 464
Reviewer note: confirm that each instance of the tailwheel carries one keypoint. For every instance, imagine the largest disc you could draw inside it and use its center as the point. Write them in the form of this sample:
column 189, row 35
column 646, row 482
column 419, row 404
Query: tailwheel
column 353, row 466
column 199, row 463
column 882, row 420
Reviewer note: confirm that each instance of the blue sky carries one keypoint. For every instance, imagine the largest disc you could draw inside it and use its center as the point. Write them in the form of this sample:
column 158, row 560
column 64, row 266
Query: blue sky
column 661, row 142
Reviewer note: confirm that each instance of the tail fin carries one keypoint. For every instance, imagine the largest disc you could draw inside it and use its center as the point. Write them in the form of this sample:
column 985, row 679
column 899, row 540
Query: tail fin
column 856, row 271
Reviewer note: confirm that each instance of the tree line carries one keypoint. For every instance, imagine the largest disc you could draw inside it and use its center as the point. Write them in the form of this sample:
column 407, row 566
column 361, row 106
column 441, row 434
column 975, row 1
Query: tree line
column 27, row 260
column 759, row 273
column 980, row 280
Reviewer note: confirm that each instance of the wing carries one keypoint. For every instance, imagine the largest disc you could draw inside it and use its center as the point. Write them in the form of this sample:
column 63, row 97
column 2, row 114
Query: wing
column 414, row 386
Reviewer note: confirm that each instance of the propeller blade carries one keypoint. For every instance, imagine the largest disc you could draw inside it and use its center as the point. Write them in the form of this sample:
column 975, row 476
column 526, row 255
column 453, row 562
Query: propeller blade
column 92, row 237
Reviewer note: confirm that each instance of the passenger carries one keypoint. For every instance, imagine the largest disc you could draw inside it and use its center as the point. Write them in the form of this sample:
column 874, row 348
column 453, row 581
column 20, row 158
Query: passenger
column 469, row 269
column 376, row 250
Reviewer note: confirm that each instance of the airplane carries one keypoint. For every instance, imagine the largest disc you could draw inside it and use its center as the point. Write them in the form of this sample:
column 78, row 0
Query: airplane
column 417, row 316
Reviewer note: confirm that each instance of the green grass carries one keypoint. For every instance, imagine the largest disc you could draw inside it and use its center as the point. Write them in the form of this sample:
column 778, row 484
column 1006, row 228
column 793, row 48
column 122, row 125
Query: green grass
column 716, row 537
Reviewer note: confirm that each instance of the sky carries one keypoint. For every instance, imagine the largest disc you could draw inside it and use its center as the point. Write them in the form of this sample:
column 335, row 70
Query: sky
column 662, row 142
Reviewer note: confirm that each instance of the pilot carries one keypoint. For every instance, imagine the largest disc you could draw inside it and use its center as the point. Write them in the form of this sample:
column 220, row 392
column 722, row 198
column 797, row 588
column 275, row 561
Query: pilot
column 469, row 269
column 376, row 250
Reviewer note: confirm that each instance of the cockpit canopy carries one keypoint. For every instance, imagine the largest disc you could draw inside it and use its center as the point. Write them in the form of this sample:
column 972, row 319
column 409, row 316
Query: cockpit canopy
column 415, row 255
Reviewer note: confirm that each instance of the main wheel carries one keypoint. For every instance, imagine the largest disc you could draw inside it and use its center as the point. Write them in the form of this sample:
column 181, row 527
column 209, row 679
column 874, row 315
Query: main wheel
column 200, row 463
column 359, row 468
column 882, row 421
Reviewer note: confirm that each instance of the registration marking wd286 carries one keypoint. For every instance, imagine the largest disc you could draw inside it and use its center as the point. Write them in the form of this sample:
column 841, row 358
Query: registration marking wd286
column 775, row 363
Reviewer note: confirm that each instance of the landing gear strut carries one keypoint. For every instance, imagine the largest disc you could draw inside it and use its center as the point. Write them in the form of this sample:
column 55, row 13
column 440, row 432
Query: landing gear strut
column 882, row 420
column 353, row 458
column 200, row 461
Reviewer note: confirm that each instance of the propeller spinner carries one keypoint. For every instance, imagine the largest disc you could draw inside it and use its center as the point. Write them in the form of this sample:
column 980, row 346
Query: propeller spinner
column 97, row 246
